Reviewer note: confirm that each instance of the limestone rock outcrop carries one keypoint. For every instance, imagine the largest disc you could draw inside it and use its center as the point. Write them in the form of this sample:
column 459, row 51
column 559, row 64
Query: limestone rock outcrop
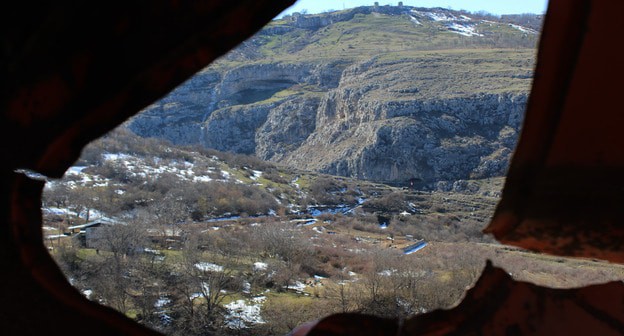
column 420, row 116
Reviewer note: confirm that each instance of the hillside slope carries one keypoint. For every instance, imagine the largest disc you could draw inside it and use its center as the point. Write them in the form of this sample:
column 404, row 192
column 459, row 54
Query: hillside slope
column 391, row 94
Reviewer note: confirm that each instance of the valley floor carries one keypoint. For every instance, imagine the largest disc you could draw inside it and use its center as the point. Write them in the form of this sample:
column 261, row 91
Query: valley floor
column 196, row 242
column 247, row 275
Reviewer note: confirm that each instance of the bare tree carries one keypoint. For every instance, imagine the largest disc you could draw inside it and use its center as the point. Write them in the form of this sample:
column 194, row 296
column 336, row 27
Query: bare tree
column 286, row 243
column 151, row 281
column 167, row 217
column 56, row 194
column 121, row 242
column 344, row 294
column 202, row 288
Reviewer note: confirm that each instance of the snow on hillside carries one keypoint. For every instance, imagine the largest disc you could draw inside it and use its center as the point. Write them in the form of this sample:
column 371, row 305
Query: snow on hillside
column 415, row 20
column 138, row 169
column 524, row 29
column 137, row 166
column 442, row 16
column 462, row 24
column 152, row 168
column 256, row 175
column 458, row 24
column 463, row 29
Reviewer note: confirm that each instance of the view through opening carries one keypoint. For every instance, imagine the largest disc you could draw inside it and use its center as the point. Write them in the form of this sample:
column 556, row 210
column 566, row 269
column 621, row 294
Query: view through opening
column 337, row 162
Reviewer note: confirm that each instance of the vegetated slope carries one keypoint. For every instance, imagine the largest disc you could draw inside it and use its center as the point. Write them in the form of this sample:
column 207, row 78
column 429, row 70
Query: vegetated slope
column 124, row 177
column 203, row 242
column 390, row 94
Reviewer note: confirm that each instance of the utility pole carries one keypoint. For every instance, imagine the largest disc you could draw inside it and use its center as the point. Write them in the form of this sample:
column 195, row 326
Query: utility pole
column 58, row 235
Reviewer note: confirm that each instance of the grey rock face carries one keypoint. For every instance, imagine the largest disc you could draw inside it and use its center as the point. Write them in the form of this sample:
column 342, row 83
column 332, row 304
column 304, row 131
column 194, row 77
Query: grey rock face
column 358, row 122
column 286, row 128
column 437, row 141
column 365, row 129
column 178, row 117
column 228, row 129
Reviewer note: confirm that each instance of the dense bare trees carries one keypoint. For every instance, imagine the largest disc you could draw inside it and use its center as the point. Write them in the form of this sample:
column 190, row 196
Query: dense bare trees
column 173, row 266
column 201, row 288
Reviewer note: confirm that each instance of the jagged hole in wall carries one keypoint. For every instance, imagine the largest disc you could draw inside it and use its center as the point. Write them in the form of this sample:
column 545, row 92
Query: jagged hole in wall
column 345, row 161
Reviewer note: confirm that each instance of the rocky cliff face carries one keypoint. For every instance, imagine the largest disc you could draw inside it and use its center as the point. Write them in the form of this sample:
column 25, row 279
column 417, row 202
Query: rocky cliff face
column 430, row 143
column 420, row 116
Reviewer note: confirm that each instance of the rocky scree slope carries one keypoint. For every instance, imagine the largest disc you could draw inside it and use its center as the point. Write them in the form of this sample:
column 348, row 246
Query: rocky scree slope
column 392, row 94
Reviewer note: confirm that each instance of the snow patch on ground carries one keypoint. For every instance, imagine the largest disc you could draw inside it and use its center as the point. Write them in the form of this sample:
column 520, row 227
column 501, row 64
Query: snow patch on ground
column 260, row 266
column 136, row 166
column 304, row 221
column 259, row 299
column 161, row 302
column 75, row 170
column 87, row 293
column 256, row 175
column 56, row 236
column 115, row 156
column 152, row 251
column 523, row 29
column 195, row 296
column 223, row 219
column 388, row 272
column 298, row 286
column 415, row 20
column 205, row 289
column 97, row 215
column 295, row 182
column 463, row 29
column 208, row 267
column 201, row 179
column 240, row 313
column 318, row 210
column 58, row 211
column 462, row 24
column 442, row 16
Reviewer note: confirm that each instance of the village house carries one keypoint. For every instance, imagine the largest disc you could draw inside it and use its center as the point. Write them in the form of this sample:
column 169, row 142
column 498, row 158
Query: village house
column 89, row 234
